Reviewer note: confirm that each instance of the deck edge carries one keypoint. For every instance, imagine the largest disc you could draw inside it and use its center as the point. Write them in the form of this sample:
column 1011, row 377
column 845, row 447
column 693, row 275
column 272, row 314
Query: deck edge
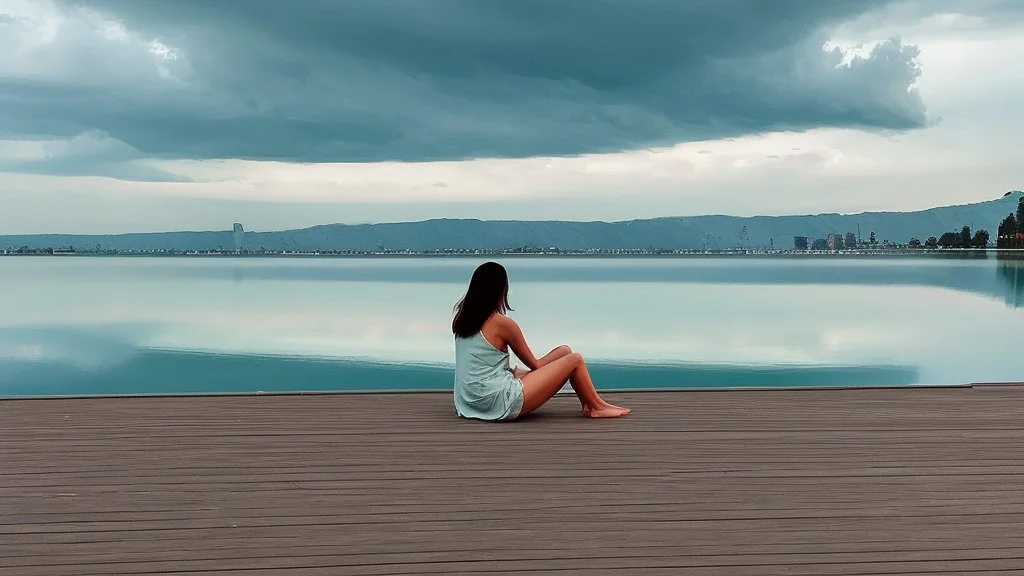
column 412, row 391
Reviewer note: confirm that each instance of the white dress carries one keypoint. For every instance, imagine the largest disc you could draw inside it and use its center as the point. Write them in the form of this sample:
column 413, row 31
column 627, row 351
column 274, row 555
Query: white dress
column 485, row 387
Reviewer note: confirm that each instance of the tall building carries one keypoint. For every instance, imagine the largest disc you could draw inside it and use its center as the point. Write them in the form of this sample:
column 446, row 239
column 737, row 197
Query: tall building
column 835, row 242
column 239, row 235
column 800, row 242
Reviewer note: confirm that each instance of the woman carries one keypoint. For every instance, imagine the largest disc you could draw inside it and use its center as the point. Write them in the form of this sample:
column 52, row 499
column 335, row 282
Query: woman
column 485, row 387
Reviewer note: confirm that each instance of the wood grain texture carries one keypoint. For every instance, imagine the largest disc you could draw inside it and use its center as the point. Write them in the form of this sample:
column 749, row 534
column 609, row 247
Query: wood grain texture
column 801, row 482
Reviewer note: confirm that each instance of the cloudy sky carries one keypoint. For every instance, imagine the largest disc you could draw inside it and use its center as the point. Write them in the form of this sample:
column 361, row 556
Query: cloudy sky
column 139, row 115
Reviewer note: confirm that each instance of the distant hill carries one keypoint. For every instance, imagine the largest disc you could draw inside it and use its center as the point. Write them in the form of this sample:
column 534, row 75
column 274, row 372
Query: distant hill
column 690, row 232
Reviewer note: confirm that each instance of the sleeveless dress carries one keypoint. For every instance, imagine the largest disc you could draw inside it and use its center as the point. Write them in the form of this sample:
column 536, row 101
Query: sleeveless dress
column 485, row 387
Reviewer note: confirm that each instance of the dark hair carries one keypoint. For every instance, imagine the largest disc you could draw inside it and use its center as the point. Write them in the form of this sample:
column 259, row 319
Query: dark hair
column 487, row 294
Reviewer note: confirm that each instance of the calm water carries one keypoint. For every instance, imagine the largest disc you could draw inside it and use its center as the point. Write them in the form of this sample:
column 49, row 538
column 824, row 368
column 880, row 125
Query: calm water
column 159, row 325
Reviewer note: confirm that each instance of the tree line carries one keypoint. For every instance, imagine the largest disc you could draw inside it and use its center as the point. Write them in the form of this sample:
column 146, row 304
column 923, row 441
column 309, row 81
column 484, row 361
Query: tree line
column 961, row 239
column 1009, row 235
column 1011, row 229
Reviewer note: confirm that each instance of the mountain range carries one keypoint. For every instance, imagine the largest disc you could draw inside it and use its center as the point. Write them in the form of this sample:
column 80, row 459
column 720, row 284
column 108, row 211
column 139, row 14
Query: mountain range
column 687, row 232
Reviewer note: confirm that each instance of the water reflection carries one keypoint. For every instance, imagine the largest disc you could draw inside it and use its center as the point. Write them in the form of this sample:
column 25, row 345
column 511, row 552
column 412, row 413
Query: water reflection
column 973, row 272
column 182, row 372
column 152, row 325
column 1010, row 270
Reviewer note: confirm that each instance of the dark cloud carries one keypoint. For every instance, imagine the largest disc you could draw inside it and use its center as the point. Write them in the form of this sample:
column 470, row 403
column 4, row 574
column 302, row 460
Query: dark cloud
column 89, row 154
column 330, row 80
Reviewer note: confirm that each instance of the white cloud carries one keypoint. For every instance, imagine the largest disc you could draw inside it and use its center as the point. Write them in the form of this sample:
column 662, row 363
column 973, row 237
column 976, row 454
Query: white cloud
column 43, row 41
column 775, row 174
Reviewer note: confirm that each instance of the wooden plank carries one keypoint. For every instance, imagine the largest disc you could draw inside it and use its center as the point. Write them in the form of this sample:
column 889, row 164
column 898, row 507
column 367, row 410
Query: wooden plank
column 799, row 482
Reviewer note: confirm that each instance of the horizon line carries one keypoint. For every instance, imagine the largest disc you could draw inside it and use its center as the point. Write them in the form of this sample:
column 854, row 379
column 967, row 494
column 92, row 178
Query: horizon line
column 561, row 221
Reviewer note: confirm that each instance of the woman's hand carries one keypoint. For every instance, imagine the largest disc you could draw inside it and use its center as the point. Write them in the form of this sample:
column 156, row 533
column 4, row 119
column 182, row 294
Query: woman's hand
column 548, row 358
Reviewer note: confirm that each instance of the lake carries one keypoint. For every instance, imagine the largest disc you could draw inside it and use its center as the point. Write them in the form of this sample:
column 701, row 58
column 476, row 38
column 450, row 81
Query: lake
column 138, row 325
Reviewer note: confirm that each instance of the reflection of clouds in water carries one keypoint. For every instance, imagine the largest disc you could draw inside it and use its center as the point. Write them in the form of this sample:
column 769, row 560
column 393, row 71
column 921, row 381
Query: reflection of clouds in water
column 783, row 325
column 721, row 323
column 94, row 348
column 669, row 321
column 864, row 337
column 725, row 324
column 34, row 352
column 375, row 331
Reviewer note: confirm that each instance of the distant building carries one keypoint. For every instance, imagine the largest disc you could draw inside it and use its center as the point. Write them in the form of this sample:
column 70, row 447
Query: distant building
column 834, row 241
column 800, row 242
column 239, row 235
column 820, row 244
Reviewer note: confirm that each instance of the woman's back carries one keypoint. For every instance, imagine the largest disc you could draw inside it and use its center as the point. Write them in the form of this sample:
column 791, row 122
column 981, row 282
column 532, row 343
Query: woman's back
column 485, row 387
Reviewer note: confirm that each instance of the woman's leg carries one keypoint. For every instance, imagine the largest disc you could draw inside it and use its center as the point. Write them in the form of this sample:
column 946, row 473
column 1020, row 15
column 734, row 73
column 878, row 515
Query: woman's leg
column 555, row 354
column 541, row 384
column 558, row 352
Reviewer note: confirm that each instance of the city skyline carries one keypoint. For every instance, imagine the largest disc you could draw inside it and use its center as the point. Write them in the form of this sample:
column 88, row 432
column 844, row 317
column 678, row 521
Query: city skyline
column 285, row 117
column 939, row 227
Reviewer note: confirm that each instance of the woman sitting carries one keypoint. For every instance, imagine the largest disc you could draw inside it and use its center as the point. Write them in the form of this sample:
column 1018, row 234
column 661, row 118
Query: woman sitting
column 485, row 387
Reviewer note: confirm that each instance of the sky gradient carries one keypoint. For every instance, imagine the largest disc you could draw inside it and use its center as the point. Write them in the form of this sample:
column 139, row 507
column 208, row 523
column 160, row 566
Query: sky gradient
column 145, row 115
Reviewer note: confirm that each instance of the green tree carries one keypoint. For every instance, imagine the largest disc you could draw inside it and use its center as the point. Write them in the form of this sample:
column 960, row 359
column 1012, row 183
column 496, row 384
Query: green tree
column 1007, row 228
column 1020, row 215
column 872, row 240
column 948, row 240
column 914, row 243
column 980, row 239
column 965, row 237
column 931, row 242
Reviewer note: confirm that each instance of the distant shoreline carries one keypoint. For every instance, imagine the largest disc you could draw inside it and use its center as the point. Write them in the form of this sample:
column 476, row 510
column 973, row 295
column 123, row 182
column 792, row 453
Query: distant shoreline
column 875, row 233
column 625, row 254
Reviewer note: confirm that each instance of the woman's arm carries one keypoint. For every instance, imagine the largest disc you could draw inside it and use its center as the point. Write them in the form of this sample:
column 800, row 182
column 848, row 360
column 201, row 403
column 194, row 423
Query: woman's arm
column 548, row 358
column 513, row 336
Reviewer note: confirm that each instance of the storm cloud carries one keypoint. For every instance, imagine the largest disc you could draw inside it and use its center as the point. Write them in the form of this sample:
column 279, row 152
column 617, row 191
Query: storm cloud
column 410, row 80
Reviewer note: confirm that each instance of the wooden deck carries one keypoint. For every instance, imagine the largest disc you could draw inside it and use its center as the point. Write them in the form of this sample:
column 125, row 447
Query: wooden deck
column 817, row 483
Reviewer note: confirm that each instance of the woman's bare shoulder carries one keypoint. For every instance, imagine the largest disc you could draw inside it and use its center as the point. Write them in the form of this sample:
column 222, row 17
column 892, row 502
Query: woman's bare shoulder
column 505, row 320
column 501, row 323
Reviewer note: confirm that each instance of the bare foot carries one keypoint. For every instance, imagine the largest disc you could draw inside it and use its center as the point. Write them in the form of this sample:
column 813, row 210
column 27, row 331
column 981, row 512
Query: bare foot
column 608, row 411
column 606, row 404
column 601, row 403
